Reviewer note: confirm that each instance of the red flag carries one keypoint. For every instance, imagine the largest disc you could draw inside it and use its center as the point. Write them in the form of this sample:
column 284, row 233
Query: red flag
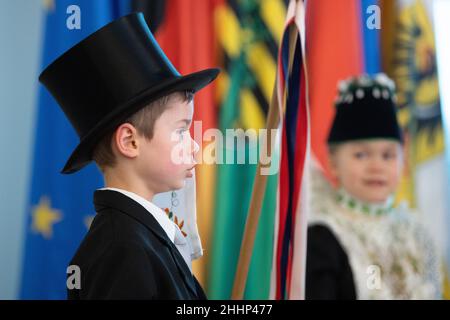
column 334, row 51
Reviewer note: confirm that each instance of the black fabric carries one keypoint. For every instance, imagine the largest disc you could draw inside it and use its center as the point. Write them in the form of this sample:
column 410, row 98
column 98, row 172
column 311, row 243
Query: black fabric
column 328, row 272
column 127, row 255
column 110, row 75
column 365, row 118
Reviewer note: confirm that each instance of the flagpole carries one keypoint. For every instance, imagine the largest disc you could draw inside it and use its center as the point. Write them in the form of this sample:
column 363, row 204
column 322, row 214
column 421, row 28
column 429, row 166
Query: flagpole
column 254, row 212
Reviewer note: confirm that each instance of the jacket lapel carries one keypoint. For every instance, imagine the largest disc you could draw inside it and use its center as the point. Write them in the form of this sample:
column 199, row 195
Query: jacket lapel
column 126, row 205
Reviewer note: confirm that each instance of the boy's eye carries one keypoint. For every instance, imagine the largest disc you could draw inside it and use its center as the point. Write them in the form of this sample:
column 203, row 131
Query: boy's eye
column 389, row 155
column 360, row 155
column 181, row 132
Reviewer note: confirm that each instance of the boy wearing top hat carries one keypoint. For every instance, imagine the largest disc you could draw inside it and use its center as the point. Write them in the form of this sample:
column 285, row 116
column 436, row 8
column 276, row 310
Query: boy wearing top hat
column 132, row 111
column 359, row 245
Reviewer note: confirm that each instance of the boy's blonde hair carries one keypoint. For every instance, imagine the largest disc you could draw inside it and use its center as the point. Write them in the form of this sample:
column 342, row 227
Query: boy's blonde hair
column 144, row 122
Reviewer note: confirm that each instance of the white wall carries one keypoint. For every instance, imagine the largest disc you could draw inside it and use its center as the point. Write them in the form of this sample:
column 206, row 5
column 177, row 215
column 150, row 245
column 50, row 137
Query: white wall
column 20, row 42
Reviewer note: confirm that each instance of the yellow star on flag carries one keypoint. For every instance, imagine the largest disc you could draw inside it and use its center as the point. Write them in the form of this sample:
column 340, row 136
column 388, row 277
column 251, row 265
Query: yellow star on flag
column 44, row 217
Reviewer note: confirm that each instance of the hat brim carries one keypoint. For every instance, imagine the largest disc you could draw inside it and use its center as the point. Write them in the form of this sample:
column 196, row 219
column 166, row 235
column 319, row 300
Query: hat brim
column 82, row 154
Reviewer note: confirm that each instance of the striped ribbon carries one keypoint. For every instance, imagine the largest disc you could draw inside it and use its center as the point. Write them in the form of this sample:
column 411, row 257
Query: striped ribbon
column 290, row 227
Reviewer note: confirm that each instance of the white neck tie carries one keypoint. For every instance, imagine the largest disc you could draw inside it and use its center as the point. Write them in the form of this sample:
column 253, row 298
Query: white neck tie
column 183, row 247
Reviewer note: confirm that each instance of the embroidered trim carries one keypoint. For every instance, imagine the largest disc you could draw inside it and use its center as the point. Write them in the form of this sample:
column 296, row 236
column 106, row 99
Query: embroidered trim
column 346, row 200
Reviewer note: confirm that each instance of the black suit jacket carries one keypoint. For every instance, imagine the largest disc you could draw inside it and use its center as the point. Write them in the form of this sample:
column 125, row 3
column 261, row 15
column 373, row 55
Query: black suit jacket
column 127, row 255
column 328, row 272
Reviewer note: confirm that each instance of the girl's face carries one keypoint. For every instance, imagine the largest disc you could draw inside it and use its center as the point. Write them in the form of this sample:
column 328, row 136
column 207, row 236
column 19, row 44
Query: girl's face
column 369, row 170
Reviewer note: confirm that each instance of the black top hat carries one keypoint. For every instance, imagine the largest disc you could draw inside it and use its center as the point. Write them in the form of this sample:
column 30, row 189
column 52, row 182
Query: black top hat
column 110, row 75
column 365, row 109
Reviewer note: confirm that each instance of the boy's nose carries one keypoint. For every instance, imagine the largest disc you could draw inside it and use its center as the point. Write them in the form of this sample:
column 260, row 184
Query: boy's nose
column 194, row 147
column 376, row 164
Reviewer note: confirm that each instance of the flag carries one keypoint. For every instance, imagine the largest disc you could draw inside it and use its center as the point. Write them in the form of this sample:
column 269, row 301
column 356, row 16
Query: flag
column 60, row 207
column 409, row 58
column 289, row 258
column 248, row 34
column 371, row 29
column 334, row 51
column 332, row 32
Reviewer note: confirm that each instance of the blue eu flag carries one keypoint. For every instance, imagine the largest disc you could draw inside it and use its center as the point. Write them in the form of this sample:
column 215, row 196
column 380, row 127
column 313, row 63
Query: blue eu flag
column 60, row 206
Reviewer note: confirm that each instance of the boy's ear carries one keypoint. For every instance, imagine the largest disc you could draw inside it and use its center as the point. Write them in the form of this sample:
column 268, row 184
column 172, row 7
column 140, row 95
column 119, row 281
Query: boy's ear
column 125, row 140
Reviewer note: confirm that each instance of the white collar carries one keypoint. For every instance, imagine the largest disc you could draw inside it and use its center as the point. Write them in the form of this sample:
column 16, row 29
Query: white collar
column 346, row 200
column 160, row 216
